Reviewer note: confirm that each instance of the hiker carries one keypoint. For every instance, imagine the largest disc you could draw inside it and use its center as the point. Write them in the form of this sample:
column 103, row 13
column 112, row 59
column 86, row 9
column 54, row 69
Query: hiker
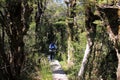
column 52, row 50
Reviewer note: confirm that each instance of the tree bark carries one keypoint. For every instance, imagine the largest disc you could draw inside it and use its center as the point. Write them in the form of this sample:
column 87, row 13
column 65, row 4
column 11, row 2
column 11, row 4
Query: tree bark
column 69, row 46
column 91, row 31
column 16, row 23
column 118, row 68
column 71, row 5
column 88, row 50
column 113, row 30
column 41, row 6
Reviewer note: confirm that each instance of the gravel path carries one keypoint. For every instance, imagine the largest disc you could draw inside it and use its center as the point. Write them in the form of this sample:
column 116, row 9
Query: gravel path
column 58, row 73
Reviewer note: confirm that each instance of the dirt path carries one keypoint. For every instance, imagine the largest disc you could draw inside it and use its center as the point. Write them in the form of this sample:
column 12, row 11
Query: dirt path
column 58, row 73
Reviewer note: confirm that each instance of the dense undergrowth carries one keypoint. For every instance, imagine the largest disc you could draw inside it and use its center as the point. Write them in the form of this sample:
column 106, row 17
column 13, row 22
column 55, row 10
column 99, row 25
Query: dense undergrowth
column 37, row 68
column 79, row 48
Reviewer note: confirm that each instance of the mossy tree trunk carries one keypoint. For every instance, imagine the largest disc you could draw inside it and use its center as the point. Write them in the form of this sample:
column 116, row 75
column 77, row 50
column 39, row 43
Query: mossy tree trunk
column 71, row 5
column 112, row 23
column 91, row 32
column 16, row 20
column 41, row 6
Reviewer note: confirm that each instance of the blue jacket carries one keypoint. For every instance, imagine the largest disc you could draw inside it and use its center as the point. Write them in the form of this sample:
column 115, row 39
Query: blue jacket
column 52, row 46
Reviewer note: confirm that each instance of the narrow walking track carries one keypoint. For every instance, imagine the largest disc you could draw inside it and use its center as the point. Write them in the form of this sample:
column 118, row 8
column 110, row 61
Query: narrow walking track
column 58, row 73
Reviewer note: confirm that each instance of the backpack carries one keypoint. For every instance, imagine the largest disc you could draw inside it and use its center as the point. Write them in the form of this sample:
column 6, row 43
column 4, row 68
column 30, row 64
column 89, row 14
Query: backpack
column 52, row 46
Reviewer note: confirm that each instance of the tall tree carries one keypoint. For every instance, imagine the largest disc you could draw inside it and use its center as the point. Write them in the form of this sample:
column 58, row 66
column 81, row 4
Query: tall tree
column 111, row 22
column 91, row 32
column 41, row 7
column 113, row 30
column 15, row 19
column 71, row 5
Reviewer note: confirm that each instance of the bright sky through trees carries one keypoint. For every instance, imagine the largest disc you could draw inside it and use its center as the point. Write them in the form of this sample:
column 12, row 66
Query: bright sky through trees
column 59, row 1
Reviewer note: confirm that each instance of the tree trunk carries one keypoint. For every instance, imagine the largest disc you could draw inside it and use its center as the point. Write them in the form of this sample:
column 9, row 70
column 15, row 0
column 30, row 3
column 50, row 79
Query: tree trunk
column 88, row 50
column 116, row 44
column 113, row 30
column 69, row 46
column 118, row 68
column 16, row 23
column 71, row 5
column 41, row 6
column 91, row 32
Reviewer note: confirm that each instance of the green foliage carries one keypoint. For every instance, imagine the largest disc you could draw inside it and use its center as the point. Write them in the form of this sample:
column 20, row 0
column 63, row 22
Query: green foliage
column 102, row 57
column 45, row 69
column 30, row 70
column 78, row 43
column 37, row 62
column 29, row 39
column 98, row 22
column 60, row 23
column 79, row 48
column 53, row 23
column 36, row 67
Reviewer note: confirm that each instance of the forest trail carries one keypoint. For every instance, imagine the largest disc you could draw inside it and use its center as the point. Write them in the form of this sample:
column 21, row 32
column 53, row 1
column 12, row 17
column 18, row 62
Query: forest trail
column 58, row 73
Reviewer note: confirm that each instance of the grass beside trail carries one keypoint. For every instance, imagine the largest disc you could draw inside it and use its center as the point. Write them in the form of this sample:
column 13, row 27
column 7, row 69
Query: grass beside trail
column 70, row 71
column 45, row 70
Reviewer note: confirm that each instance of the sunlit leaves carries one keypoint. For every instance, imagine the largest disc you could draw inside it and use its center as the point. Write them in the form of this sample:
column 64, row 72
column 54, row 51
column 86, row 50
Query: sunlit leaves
column 98, row 22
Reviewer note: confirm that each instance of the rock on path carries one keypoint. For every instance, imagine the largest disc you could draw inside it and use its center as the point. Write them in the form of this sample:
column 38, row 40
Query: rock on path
column 58, row 73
